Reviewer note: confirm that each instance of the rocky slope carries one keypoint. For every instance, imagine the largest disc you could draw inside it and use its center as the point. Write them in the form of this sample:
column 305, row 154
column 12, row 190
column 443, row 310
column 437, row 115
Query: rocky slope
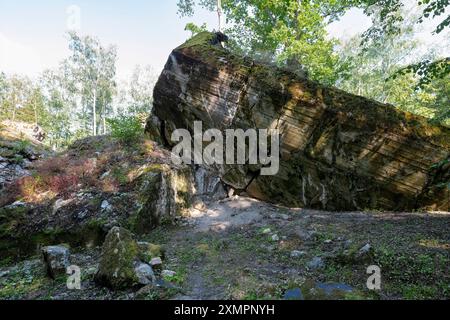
column 20, row 146
column 78, row 196
column 339, row 151
column 140, row 228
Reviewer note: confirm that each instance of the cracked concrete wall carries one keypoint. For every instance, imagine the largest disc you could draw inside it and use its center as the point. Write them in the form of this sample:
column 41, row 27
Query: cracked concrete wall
column 338, row 151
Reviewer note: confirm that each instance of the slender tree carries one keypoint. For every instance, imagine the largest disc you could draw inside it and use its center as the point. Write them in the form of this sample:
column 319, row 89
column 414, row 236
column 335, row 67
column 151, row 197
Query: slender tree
column 94, row 67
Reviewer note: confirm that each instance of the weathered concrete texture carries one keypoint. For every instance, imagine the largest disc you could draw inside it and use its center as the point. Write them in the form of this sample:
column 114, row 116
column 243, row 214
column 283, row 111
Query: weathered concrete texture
column 339, row 151
column 165, row 193
column 168, row 192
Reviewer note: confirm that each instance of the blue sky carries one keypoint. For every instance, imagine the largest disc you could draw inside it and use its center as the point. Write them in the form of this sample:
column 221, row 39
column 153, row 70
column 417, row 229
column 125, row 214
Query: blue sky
column 32, row 33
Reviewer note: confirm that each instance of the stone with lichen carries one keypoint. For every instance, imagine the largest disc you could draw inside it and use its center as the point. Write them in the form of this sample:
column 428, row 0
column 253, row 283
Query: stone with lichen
column 118, row 260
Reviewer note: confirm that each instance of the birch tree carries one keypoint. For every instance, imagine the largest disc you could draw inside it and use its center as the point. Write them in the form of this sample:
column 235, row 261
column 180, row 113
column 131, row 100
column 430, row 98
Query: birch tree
column 95, row 69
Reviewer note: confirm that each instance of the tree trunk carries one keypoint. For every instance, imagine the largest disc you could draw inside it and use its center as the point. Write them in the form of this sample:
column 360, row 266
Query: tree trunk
column 14, row 108
column 35, row 113
column 94, row 107
column 219, row 13
column 104, row 118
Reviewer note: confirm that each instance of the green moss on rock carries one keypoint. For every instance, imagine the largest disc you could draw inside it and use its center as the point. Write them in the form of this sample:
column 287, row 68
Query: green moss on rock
column 200, row 39
column 164, row 194
column 148, row 251
column 147, row 216
column 10, row 218
column 117, row 263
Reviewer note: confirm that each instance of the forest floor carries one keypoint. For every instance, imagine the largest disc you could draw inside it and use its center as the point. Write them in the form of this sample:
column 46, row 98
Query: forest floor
column 241, row 248
column 236, row 248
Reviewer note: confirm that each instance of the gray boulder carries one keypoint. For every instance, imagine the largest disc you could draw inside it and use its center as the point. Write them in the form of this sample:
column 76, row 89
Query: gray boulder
column 56, row 260
column 316, row 263
column 144, row 273
column 121, row 263
column 118, row 260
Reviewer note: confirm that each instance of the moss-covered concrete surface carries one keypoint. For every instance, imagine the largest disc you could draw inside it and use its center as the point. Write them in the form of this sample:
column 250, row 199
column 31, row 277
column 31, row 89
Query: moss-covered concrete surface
column 338, row 151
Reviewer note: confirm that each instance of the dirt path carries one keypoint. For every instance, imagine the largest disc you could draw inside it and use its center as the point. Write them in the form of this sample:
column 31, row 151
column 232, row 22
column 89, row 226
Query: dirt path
column 217, row 218
column 229, row 213
column 244, row 249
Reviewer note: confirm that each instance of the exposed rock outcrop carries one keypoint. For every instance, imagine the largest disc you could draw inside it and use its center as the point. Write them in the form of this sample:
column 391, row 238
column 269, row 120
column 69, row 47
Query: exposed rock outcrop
column 20, row 146
column 77, row 197
column 338, row 151
column 168, row 192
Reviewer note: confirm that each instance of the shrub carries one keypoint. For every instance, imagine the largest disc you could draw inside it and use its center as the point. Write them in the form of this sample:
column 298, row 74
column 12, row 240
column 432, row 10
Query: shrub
column 63, row 184
column 126, row 129
column 53, row 166
column 21, row 146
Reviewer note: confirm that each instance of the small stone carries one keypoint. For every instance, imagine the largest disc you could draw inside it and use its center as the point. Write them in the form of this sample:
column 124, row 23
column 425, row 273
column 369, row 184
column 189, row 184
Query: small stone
column 19, row 171
column 365, row 249
column 144, row 273
column 26, row 164
column 348, row 244
column 200, row 206
column 156, row 262
column 328, row 241
column 91, row 271
column 18, row 204
column 4, row 273
column 305, row 235
column 60, row 203
column 269, row 248
column 364, row 254
column 168, row 273
column 275, row 237
column 105, row 205
column 81, row 215
column 56, row 259
column 297, row 254
column 148, row 251
column 316, row 263
column 106, row 174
